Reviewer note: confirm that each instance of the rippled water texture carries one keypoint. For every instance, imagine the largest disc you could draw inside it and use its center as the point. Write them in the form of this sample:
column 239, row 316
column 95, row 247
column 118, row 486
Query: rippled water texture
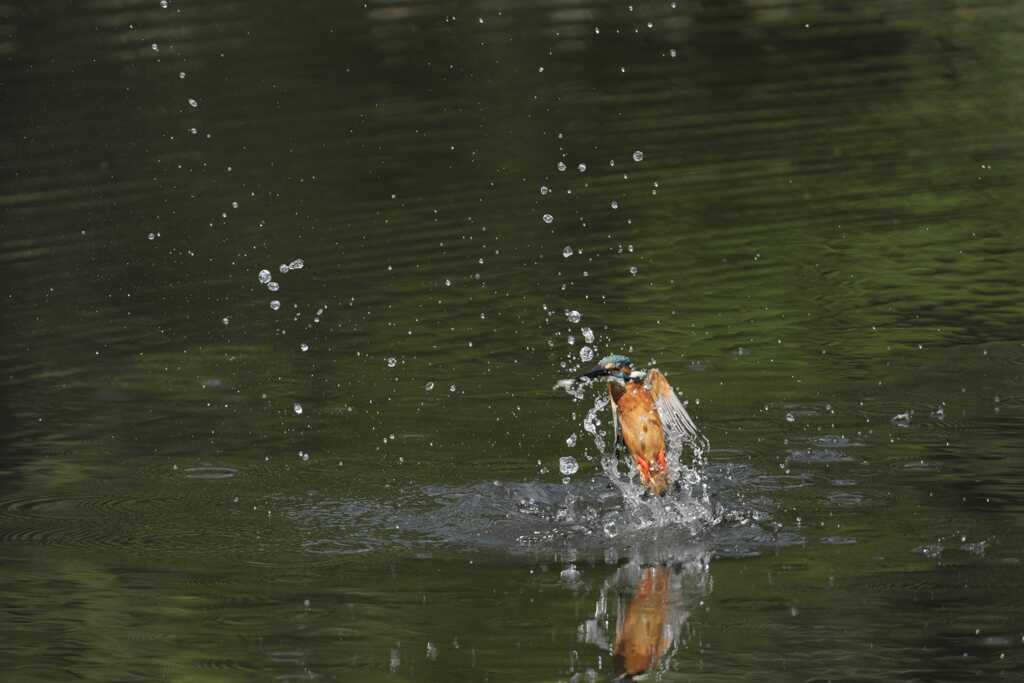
column 289, row 289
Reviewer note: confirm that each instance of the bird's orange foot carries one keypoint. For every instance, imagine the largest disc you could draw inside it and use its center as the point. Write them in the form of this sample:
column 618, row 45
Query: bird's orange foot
column 644, row 468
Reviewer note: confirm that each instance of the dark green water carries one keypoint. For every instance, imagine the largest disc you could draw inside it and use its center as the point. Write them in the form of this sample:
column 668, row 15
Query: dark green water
column 823, row 233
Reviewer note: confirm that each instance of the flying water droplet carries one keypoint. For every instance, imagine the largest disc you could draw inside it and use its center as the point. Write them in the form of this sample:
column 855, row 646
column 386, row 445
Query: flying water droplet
column 562, row 166
column 548, row 218
column 303, row 455
column 588, row 334
column 273, row 286
column 582, row 168
column 192, row 102
column 567, row 252
column 574, row 316
column 297, row 264
column 615, row 204
column 790, row 417
column 275, row 304
column 264, row 276
column 571, row 440
column 544, row 189
column 297, row 408
column 303, row 347
column 633, row 270
column 638, row 156
column 586, row 354
column 429, row 386
column 567, row 465
column 392, row 362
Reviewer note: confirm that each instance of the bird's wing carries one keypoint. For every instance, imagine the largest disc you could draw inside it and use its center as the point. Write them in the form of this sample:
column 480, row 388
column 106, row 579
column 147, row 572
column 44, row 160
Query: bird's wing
column 676, row 420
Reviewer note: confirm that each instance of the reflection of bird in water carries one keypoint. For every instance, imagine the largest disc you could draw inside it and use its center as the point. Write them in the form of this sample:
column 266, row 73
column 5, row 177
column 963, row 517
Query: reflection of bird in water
column 643, row 638
column 649, row 413
column 648, row 605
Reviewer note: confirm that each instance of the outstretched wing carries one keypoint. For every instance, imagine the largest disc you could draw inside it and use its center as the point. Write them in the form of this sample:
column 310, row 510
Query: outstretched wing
column 674, row 417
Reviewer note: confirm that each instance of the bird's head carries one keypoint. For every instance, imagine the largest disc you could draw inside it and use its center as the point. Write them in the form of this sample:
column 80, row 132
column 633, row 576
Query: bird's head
column 615, row 366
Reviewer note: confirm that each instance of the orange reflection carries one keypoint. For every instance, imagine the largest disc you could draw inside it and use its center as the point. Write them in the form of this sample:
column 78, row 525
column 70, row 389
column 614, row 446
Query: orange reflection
column 643, row 636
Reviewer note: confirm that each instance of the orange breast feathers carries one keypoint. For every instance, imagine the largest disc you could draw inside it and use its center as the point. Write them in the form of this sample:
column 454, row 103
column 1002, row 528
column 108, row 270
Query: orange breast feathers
column 642, row 431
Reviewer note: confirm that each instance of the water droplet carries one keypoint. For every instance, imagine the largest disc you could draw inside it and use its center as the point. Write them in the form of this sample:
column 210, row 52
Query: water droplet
column 567, row 252
column 571, row 440
column 574, row 316
column 392, row 362
column 562, row 166
column 151, row 236
column 570, row 574
column 264, row 276
column 611, row 530
column 193, row 103
column 303, row 347
column 447, row 282
column 429, row 386
column 567, row 465
column 548, row 218
column 275, row 304
column 303, row 455
column 164, row 3
column 582, row 168
column 633, row 270
column 452, row 388
column 790, row 417
column 672, row 52
column 297, row 408
column 226, row 320
column 586, row 354
column 544, row 189
column 615, row 204
column 273, row 286
column 234, row 205
column 588, row 334
column 181, row 74
column 297, row 264
column 283, row 268
column 638, row 156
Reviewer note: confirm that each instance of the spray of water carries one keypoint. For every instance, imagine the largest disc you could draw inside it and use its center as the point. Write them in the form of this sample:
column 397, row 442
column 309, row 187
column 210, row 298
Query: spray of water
column 687, row 506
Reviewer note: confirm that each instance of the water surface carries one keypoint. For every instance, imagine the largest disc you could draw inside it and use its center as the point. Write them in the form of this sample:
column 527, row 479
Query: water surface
column 805, row 214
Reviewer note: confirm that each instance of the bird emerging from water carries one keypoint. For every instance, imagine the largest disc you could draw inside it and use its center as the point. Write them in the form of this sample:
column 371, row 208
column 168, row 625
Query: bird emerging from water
column 650, row 416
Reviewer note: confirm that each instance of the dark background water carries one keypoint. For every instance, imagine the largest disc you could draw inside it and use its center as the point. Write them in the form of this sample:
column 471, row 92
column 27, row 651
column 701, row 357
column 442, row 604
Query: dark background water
column 822, row 234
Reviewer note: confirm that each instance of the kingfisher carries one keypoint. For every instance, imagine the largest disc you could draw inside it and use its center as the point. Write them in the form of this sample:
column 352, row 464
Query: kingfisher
column 650, row 416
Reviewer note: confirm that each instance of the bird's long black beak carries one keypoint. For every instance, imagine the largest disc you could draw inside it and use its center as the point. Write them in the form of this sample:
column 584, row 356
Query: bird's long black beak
column 593, row 374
